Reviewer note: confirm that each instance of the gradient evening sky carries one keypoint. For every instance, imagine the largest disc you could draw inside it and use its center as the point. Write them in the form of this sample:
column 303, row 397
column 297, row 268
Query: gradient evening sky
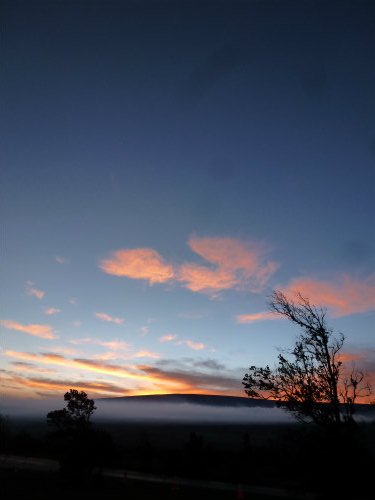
column 166, row 165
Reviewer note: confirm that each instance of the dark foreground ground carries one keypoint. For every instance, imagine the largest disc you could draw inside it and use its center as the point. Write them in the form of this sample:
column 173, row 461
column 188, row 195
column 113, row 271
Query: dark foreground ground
column 33, row 485
column 180, row 461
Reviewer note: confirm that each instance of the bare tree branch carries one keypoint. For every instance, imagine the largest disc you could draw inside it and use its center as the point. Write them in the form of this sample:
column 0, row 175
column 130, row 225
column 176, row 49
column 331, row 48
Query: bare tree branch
column 309, row 378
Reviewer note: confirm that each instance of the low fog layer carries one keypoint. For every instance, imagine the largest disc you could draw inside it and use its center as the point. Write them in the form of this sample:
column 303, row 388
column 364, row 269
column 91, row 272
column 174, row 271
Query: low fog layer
column 160, row 412
column 187, row 412
column 151, row 411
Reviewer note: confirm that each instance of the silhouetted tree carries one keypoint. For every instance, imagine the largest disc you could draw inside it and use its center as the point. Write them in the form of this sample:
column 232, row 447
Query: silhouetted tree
column 74, row 440
column 77, row 413
column 310, row 380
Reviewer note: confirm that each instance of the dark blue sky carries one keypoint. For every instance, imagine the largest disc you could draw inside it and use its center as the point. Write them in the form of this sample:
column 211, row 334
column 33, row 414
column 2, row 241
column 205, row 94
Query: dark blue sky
column 195, row 130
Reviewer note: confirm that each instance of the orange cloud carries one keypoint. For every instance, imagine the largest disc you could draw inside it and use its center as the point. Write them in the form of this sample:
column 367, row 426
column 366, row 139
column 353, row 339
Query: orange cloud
column 167, row 338
column 86, row 364
column 146, row 354
column 30, row 290
column 200, row 278
column 197, row 346
column 138, row 263
column 29, row 367
column 116, row 345
column 237, row 265
column 42, row 331
column 347, row 296
column 153, row 381
column 46, row 358
column 347, row 357
column 63, row 350
column 252, row 318
column 148, row 379
column 110, row 319
column 196, row 382
column 51, row 310
column 234, row 264
column 54, row 385
column 227, row 253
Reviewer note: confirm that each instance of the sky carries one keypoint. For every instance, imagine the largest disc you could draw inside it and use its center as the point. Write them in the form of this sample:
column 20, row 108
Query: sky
column 167, row 165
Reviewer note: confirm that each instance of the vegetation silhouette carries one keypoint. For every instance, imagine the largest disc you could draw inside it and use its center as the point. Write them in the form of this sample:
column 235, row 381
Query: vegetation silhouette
column 76, row 415
column 80, row 448
column 310, row 380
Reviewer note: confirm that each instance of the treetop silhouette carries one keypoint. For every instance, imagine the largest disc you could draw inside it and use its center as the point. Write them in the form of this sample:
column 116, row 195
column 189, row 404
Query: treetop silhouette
column 310, row 380
column 77, row 413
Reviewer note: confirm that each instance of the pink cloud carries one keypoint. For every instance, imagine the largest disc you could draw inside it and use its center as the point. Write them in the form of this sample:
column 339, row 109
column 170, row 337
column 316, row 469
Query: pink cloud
column 147, row 354
column 231, row 264
column 42, row 331
column 236, row 265
column 350, row 357
column 346, row 296
column 168, row 338
column 110, row 319
column 31, row 290
column 22, row 385
column 29, row 367
column 197, row 346
column 51, row 310
column 252, row 318
column 199, row 278
column 138, row 263
column 115, row 345
column 60, row 260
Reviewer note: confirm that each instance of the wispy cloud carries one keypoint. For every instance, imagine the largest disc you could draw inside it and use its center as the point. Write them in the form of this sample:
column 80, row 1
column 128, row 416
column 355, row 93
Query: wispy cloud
column 168, row 338
column 46, row 357
column 42, row 331
column 237, row 264
column 51, row 310
column 77, row 363
column 152, row 378
column 138, row 263
column 109, row 319
column 197, row 381
column 31, row 290
column 63, row 350
column 203, row 279
column 231, row 264
column 116, row 345
column 252, row 318
column 192, row 344
column 197, row 346
column 61, row 260
column 30, row 367
column 147, row 354
column 54, row 385
column 343, row 297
